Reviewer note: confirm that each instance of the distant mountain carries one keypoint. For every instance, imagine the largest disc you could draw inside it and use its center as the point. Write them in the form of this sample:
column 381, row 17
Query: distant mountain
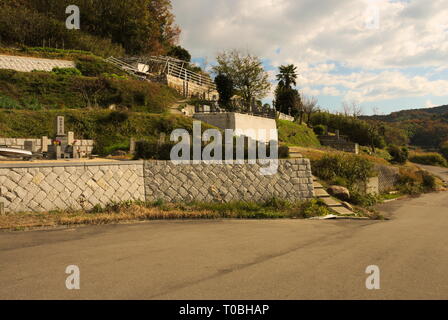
column 413, row 114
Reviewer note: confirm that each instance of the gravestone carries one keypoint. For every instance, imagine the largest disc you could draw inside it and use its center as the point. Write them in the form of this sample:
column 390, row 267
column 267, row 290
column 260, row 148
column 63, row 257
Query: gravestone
column 60, row 126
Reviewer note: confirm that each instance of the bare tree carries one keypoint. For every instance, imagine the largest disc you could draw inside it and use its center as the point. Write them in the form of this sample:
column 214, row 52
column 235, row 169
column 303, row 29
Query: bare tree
column 309, row 107
column 352, row 108
column 356, row 109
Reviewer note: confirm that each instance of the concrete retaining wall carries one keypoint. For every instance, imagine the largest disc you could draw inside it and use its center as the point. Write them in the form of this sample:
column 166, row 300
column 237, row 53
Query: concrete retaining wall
column 190, row 89
column 239, row 121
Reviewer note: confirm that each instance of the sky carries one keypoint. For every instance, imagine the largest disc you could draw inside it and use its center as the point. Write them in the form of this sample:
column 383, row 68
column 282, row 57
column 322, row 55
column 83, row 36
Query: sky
column 385, row 55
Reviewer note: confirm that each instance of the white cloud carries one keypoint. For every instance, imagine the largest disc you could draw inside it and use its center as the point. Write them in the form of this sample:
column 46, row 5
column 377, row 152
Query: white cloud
column 319, row 36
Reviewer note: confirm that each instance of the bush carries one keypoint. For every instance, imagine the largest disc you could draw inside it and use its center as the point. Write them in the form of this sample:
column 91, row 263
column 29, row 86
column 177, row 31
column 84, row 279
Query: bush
column 414, row 182
column 432, row 159
column 352, row 168
column 314, row 208
column 362, row 199
column 320, row 129
column 399, row 155
column 67, row 71
column 283, row 152
column 95, row 67
column 444, row 149
column 155, row 151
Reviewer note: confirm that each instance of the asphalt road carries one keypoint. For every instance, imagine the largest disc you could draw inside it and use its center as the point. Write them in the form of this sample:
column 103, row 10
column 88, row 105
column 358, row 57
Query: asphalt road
column 284, row 259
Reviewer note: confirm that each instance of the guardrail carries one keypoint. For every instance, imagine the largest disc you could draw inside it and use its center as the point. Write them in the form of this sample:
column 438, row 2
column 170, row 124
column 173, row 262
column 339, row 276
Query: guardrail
column 163, row 65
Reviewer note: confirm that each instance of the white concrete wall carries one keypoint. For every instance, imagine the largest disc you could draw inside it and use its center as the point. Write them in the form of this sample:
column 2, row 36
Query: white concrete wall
column 239, row 121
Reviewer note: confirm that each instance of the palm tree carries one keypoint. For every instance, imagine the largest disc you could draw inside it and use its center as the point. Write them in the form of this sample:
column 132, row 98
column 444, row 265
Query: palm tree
column 287, row 76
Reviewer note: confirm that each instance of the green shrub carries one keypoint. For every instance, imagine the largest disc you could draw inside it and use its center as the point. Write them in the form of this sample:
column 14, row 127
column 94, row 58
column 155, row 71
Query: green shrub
column 414, row 182
column 150, row 150
column 67, row 71
column 320, row 129
column 362, row 199
column 8, row 103
column 283, row 152
column 444, row 150
column 399, row 154
column 314, row 208
column 352, row 168
column 432, row 159
column 94, row 67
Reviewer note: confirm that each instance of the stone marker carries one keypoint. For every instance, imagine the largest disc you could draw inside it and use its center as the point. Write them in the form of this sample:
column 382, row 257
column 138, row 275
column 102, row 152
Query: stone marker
column 2, row 209
column 132, row 146
column 60, row 126
column 70, row 137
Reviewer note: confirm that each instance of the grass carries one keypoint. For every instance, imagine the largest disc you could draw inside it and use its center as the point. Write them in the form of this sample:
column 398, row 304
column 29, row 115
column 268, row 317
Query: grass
column 47, row 90
column 428, row 158
column 294, row 134
column 111, row 130
column 159, row 210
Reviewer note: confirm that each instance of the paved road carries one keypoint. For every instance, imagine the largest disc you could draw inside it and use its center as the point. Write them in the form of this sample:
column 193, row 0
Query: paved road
column 285, row 259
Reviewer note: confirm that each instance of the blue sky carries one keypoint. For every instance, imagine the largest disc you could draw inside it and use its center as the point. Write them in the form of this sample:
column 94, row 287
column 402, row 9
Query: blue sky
column 384, row 55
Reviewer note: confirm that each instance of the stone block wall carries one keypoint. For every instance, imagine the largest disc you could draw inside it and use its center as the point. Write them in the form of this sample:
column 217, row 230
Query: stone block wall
column 225, row 183
column 85, row 147
column 41, row 187
column 339, row 144
column 82, row 185
column 28, row 64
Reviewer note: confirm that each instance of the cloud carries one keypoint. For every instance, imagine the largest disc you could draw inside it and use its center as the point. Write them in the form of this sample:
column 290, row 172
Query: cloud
column 329, row 41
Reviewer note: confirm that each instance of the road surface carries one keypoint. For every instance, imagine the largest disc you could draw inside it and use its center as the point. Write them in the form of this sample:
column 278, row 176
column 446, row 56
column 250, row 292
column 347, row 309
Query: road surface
column 230, row 259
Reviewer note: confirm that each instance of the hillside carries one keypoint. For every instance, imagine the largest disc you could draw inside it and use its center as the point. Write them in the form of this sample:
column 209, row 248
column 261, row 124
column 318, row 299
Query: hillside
column 108, row 28
column 111, row 130
column 294, row 134
column 440, row 112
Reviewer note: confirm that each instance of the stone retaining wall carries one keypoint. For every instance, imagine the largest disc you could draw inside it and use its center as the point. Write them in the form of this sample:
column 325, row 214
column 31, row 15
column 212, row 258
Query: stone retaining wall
column 40, row 187
column 83, row 146
column 225, row 183
column 28, row 64
column 46, row 187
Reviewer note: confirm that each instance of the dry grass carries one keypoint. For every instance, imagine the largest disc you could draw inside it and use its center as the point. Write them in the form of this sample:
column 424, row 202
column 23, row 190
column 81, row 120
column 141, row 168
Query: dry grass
column 130, row 212
column 20, row 221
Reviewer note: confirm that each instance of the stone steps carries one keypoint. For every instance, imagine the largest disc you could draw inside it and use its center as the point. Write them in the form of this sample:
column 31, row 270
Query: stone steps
column 294, row 153
column 333, row 204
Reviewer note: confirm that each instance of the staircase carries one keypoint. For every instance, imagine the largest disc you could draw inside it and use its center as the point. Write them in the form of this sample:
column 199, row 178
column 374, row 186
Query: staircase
column 333, row 204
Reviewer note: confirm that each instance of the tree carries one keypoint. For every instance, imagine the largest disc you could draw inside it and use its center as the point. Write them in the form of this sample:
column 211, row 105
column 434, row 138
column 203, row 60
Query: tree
column 287, row 76
column 288, row 101
column 352, row 108
column 180, row 53
column 224, row 86
column 309, row 107
column 246, row 71
column 139, row 26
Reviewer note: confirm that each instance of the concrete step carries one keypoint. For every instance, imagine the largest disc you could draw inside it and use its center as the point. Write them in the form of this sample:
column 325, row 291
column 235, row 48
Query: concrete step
column 321, row 193
column 342, row 210
column 330, row 202
column 317, row 185
column 295, row 155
